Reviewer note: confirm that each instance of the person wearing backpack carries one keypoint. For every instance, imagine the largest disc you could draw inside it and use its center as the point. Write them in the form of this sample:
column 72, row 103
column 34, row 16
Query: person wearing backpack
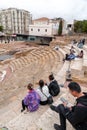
column 77, row 114
column 31, row 101
column 53, row 86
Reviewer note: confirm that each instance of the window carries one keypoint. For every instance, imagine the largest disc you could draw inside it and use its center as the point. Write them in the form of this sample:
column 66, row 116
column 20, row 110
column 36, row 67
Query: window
column 38, row 30
column 32, row 39
column 31, row 29
column 45, row 30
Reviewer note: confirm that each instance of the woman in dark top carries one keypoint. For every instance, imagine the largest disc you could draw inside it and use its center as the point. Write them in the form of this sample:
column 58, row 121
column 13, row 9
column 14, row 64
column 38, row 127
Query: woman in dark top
column 54, row 88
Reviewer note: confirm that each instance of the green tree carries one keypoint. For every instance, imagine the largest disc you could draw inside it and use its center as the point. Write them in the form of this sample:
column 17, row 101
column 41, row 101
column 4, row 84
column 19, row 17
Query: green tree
column 60, row 28
column 1, row 28
column 80, row 26
column 84, row 27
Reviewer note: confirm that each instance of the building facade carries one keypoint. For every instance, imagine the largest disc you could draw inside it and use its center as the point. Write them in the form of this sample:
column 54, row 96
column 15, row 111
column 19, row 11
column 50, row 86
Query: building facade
column 15, row 21
column 43, row 27
column 39, row 26
column 42, row 30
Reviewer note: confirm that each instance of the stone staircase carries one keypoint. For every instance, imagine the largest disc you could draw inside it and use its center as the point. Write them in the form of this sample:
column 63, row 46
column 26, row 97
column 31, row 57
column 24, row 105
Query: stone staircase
column 48, row 58
column 34, row 55
column 43, row 119
column 48, row 119
column 61, row 74
column 39, row 60
column 39, row 63
column 85, row 60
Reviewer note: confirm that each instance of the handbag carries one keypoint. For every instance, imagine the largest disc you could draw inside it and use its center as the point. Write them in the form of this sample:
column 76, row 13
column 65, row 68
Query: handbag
column 49, row 99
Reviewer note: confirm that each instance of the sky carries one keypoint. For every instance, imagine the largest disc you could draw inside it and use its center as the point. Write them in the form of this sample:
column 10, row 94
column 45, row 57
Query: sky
column 67, row 9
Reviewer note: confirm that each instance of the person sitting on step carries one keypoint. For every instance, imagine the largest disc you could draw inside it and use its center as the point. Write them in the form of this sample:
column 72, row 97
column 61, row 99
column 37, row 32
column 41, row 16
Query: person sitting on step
column 32, row 100
column 43, row 92
column 70, row 56
column 77, row 114
column 83, row 41
column 72, row 49
column 80, row 55
column 53, row 86
column 80, row 44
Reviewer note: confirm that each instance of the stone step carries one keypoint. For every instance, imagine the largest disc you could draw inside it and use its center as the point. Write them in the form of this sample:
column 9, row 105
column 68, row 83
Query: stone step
column 62, row 51
column 85, row 47
column 84, row 57
column 23, row 121
column 85, row 60
column 75, row 49
column 76, row 67
column 50, row 117
column 21, row 61
column 61, row 75
column 67, row 50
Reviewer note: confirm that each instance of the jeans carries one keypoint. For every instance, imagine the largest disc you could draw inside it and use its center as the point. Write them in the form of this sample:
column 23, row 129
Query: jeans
column 43, row 102
column 63, row 112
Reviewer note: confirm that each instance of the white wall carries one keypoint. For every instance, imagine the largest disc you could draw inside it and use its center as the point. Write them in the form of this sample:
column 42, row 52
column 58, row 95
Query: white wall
column 40, row 30
column 64, row 28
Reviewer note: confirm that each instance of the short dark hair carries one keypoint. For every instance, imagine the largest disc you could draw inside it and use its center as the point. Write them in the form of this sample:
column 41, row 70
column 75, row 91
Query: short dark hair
column 81, row 51
column 41, row 83
column 51, row 77
column 30, row 86
column 73, row 86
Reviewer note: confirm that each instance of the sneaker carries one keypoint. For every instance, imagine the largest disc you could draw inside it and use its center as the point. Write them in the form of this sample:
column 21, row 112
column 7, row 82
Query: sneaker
column 54, row 108
column 57, row 127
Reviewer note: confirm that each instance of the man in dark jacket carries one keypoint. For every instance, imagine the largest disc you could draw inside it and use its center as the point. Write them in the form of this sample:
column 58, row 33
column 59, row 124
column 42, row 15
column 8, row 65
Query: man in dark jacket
column 54, row 88
column 76, row 115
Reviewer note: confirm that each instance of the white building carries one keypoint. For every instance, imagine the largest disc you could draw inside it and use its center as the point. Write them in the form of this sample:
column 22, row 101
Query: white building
column 46, row 26
column 41, row 21
column 43, row 27
column 68, row 28
column 15, row 21
column 43, row 30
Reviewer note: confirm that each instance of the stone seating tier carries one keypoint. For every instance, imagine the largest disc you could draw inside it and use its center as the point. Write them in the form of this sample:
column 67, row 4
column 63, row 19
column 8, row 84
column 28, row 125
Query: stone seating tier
column 37, row 61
